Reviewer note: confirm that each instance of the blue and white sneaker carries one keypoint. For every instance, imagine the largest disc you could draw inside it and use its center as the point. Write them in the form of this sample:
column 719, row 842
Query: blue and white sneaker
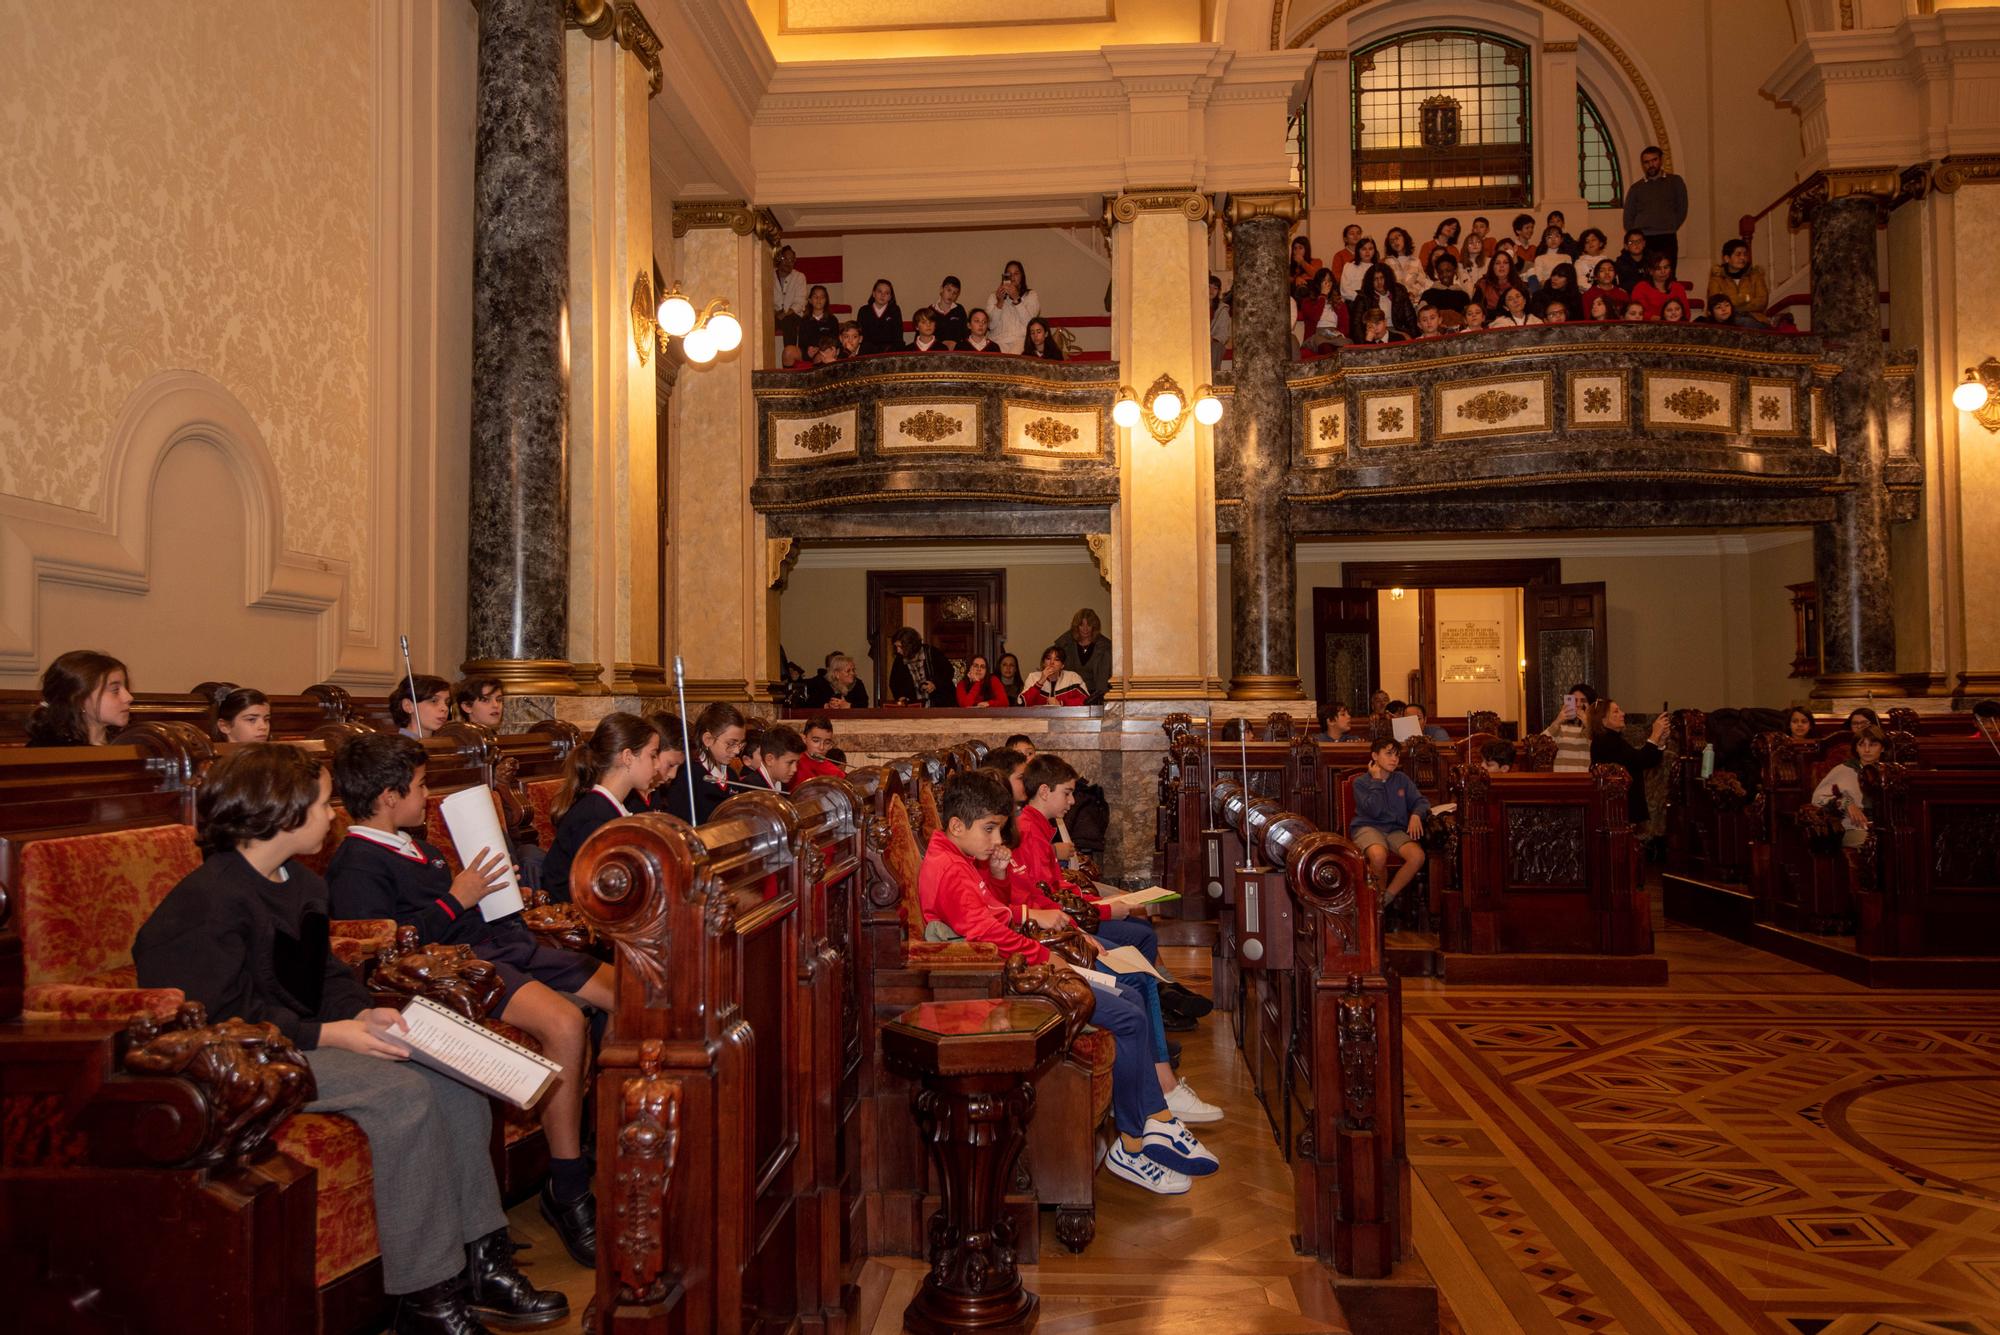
column 1143, row 1172
column 1169, row 1143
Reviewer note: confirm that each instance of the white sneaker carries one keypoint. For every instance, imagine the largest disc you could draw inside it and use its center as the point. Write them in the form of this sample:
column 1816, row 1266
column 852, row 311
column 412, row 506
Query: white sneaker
column 1186, row 1105
column 1168, row 1142
column 1143, row 1172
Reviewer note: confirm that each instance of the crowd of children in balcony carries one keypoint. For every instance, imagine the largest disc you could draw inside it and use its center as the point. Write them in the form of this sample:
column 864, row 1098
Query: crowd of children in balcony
column 1010, row 322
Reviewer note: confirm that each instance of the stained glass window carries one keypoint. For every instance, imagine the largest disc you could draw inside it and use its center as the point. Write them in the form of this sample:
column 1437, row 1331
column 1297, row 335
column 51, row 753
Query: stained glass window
column 1442, row 120
column 1597, row 174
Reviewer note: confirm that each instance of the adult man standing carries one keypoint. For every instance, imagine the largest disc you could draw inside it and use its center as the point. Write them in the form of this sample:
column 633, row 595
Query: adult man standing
column 1657, row 204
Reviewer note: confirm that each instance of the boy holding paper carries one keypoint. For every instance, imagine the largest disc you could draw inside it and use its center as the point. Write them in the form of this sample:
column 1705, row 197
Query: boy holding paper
column 380, row 872
column 1153, row 1150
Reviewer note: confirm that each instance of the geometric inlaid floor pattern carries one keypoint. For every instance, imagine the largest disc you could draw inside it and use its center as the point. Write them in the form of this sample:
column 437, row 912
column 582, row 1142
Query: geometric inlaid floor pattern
column 1754, row 1148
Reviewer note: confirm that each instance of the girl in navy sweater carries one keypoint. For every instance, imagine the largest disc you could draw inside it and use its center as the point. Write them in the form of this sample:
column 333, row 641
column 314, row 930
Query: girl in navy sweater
column 718, row 739
column 621, row 755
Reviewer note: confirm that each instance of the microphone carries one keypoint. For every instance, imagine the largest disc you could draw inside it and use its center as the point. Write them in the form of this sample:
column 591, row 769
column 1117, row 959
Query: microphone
column 687, row 749
column 410, row 677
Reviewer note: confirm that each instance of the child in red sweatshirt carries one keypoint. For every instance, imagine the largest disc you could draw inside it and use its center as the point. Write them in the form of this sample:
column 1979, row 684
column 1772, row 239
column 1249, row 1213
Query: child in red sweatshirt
column 1154, row 1150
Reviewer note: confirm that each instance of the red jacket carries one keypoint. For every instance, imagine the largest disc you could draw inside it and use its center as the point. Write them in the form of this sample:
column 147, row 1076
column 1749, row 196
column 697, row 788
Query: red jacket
column 987, row 690
column 954, row 893
column 813, row 769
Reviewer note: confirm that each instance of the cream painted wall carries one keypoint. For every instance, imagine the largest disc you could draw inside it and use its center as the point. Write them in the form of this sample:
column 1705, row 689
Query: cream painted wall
column 271, row 195
column 1011, row 29
column 1694, row 620
column 1502, row 696
column 1401, row 625
column 824, row 604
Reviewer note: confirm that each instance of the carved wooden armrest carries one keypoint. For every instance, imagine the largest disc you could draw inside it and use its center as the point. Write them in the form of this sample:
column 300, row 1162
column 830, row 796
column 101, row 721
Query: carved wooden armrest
column 558, row 925
column 1071, row 994
column 81, row 1001
column 649, row 1137
column 452, row 976
column 215, row 1094
column 354, row 940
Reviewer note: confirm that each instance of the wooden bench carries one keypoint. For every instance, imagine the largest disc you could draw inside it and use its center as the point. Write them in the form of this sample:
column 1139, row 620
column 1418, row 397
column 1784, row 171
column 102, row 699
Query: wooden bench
column 1927, row 881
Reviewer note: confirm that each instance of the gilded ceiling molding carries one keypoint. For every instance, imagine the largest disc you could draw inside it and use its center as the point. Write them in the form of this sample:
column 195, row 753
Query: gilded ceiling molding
column 1330, row 53
column 1887, row 186
column 1554, row 48
column 731, row 213
column 1568, row 11
column 1288, row 205
column 1166, row 199
column 624, row 24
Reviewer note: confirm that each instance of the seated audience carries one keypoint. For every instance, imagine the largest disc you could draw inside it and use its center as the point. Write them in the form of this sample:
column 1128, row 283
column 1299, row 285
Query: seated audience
column 1009, row 677
column 1557, row 313
column 1474, row 317
column 378, row 871
column 1473, row 258
column 241, row 714
column 1571, row 730
column 481, row 700
column 850, row 341
column 1304, row 267
column 1554, row 250
column 979, row 688
column 1609, row 747
column 818, row 327
column 1604, row 283
column 1631, row 261
column 771, row 757
column 1599, row 309
column 1375, row 328
column 719, row 731
column 818, row 737
column 245, row 936
column 1337, row 725
column 86, row 699
column 1559, row 224
column 1721, row 311
column 647, row 794
column 926, row 339
column 1350, row 238
column 1366, row 257
column 1444, row 240
column 1498, row 754
column 1021, row 742
column 1514, row 313
column 1014, row 304
column 1388, row 817
column 1087, row 652
column 976, row 337
column 1742, row 282
column 1322, row 315
column 1042, row 342
column 1499, row 277
column 1589, row 252
column 921, row 674
column 421, row 705
column 1659, row 286
column 1380, row 291
column 622, row 754
column 1842, row 787
column 1674, row 311
column 1399, row 252
column 1559, row 289
column 1221, row 323
column 1862, row 717
column 836, row 688
column 952, row 322
column 1522, row 247
column 1154, row 1150
column 881, row 320
column 1444, row 293
column 1633, row 311
column 1430, row 322
column 1430, row 730
column 1798, row 723
column 1053, row 683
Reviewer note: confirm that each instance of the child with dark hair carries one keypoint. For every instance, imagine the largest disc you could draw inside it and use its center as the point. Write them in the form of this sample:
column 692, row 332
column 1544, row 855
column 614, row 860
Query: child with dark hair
column 718, row 735
column 240, row 714
column 246, row 936
column 1388, row 817
column 432, row 707
column 482, row 700
column 1021, row 742
column 1154, row 1150
column 771, row 758
column 380, row 872
column 86, row 699
column 926, row 339
column 818, row 738
column 646, row 794
column 1498, row 755
column 1842, row 787
column 952, row 329
column 622, row 753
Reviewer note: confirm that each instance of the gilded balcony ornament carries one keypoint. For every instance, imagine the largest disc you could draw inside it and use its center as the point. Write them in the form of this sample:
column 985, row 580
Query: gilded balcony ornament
column 1767, row 407
column 1692, row 403
column 931, row 426
column 1050, row 434
column 1597, row 399
column 1388, row 421
column 1329, row 427
column 1493, row 406
column 819, row 438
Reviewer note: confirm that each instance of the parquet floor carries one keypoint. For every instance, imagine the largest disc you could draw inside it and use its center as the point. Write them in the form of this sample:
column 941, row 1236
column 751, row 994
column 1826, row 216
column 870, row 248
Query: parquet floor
column 1755, row 1148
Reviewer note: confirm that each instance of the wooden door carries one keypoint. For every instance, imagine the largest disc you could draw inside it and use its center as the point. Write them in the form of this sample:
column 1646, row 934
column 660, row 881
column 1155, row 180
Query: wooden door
column 1346, row 648
column 960, row 612
column 1563, row 628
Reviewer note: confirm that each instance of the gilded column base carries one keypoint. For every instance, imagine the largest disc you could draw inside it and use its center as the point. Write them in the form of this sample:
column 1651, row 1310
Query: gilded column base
column 1974, row 687
column 525, row 676
column 1163, row 688
column 1859, row 685
column 639, row 679
column 589, row 679
column 1259, row 687
column 708, row 690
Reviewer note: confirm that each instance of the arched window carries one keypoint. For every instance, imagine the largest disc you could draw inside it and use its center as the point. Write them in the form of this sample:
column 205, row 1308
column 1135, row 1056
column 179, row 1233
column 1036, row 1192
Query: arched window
column 1597, row 175
column 1442, row 120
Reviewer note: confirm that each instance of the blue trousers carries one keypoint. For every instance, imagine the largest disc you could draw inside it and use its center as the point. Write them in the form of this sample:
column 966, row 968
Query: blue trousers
column 1131, row 932
column 1146, row 990
column 1135, row 1089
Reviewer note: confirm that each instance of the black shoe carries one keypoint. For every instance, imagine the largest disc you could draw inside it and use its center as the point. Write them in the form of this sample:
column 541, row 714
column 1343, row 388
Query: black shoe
column 1191, row 1004
column 1176, row 1023
column 575, row 1223
column 500, row 1295
column 437, row 1310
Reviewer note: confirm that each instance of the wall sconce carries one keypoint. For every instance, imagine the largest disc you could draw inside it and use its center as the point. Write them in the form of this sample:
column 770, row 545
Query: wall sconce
column 1395, row 595
column 1162, row 407
column 703, row 333
column 1979, row 394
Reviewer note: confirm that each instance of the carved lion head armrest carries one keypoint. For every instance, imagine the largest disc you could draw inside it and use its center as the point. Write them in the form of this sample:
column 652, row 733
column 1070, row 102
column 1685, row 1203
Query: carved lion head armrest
column 452, row 976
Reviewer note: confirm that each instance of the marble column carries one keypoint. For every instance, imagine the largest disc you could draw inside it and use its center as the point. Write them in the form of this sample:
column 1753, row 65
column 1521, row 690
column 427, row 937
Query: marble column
column 517, row 613
column 1851, row 555
column 1263, row 653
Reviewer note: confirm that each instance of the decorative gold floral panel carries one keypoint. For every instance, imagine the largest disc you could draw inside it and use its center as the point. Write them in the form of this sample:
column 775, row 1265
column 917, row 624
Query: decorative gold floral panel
column 1494, row 406
column 1388, row 417
column 1773, row 407
column 1686, row 401
column 1039, row 431
column 1326, row 429
column 929, row 426
column 1597, row 400
column 815, row 439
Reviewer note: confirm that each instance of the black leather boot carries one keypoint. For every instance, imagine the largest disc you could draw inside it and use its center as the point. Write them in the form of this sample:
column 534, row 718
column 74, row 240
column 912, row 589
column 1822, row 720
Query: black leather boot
column 501, row 1296
column 1193, row 1005
column 437, row 1310
column 575, row 1223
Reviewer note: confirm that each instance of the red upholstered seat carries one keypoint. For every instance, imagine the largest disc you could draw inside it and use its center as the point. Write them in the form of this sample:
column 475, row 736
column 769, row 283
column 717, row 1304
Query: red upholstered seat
column 542, row 795
column 905, row 861
column 928, row 823
column 345, row 1221
column 82, row 900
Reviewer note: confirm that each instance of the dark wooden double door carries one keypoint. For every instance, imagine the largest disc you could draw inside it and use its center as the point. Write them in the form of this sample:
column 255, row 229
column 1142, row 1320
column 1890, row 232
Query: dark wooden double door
column 963, row 612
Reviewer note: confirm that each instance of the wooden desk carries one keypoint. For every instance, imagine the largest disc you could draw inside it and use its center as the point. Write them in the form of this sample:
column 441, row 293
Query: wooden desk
column 977, row 1062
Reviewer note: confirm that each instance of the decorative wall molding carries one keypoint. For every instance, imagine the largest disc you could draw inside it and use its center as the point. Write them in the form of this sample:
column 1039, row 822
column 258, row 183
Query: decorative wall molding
column 1163, row 199
column 942, row 556
column 731, row 213
column 623, row 23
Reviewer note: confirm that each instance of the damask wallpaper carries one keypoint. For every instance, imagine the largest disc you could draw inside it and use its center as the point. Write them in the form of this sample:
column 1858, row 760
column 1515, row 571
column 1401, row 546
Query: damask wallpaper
column 191, row 187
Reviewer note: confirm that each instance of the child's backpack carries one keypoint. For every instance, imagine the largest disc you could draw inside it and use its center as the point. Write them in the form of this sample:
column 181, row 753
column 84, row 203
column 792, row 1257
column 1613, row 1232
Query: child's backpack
column 1089, row 820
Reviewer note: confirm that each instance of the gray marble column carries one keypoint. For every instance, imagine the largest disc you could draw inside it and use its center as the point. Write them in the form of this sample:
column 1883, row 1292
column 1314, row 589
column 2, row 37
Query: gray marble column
column 517, row 614
column 1851, row 555
column 1263, row 657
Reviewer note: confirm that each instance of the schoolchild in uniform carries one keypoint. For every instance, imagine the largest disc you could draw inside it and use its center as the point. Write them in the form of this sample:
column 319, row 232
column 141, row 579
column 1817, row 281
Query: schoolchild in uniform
column 646, row 795
column 719, row 731
column 622, row 753
column 771, row 758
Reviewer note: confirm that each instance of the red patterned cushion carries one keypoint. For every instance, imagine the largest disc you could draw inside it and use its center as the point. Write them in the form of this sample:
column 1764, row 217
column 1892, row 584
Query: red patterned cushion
column 951, row 954
column 905, row 861
column 928, row 823
column 542, row 795
column 1094, row 1050
column 85, row 897
column 335, row 833
column 337, row 1150
column 74, row 1001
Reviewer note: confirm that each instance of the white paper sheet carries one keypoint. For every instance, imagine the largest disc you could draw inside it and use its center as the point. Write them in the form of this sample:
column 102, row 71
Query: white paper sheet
column 1403, row 729
column 473, row 817
column 1127, row 959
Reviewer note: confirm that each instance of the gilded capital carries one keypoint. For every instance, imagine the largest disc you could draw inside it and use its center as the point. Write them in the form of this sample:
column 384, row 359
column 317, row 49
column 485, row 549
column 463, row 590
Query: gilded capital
column 1960, row 170
column 623, row 23
column 1287, row 205
column 1886, row 186
column 1169, row 199
column 734, row 214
